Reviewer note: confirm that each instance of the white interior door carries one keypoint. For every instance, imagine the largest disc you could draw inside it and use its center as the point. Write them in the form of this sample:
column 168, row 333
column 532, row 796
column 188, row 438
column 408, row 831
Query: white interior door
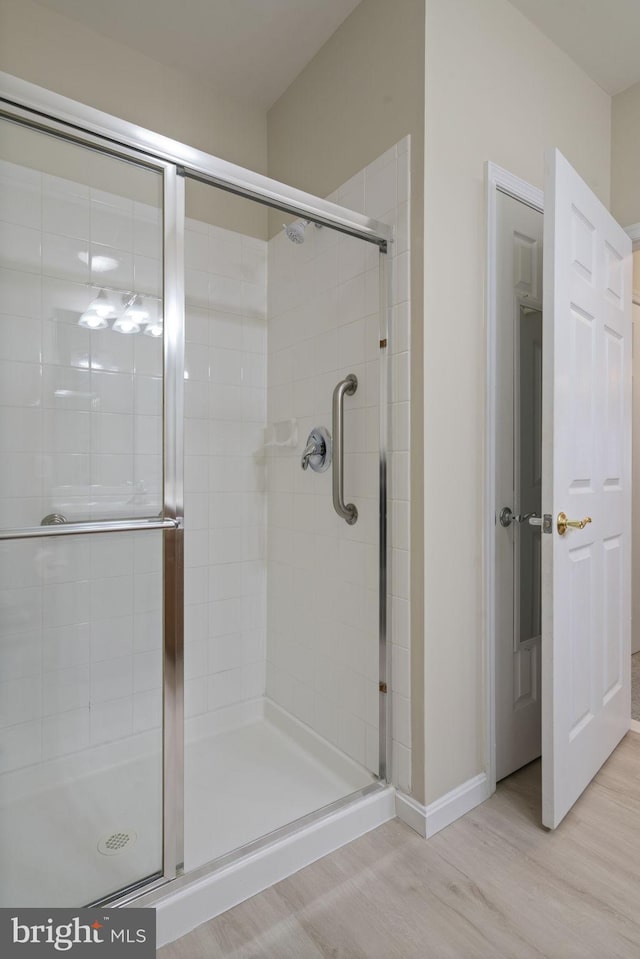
column 518, row 454
column 586, row 573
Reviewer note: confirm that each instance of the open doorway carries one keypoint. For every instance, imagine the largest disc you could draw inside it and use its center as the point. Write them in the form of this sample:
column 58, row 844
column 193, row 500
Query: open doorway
column 558, row 554
column 518, row 379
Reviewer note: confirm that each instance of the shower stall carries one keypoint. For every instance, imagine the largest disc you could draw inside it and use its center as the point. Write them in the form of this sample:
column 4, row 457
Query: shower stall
column 194, row 423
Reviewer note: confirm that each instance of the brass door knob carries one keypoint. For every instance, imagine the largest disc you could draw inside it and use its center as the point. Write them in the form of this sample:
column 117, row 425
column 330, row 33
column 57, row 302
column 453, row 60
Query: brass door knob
column 564, row 523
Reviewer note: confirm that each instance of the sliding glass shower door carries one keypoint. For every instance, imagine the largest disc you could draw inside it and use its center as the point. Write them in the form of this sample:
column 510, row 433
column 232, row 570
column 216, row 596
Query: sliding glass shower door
column 81, row 451
column 282, row 520
column 269, row 422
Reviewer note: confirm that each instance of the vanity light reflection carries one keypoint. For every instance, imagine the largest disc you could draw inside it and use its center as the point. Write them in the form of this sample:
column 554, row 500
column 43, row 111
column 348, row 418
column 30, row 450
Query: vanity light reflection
column 126, row 313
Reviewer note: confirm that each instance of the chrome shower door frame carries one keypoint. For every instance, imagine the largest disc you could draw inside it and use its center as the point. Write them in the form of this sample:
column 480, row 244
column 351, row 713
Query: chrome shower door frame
column 171, row 521
column 76, row 122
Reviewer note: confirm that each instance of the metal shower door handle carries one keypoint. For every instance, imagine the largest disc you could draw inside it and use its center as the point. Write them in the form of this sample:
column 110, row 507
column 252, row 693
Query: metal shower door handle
column 347, row 511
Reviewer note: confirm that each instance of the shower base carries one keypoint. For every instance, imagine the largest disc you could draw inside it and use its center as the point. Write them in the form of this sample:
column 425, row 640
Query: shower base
column 88, row 833
column 258, row 770
column 263, row 799
column 245, row 782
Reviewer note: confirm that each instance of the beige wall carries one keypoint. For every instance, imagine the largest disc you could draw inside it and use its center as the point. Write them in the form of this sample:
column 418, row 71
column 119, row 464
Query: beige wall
column 60, row 54
column 625, row 156
column 496, row 89
column 635, row 578
column 360, row 94
column 625, row 206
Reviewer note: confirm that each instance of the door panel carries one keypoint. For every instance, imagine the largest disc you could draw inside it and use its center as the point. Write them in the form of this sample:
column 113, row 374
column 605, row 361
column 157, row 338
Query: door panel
column 80, row 716
column 586, row 474
column 81, row 414
column 81, row 425
column 528, row 470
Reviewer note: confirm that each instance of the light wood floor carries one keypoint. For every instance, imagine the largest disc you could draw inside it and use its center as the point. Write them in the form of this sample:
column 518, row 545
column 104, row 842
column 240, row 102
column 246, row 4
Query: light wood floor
column 492, row 885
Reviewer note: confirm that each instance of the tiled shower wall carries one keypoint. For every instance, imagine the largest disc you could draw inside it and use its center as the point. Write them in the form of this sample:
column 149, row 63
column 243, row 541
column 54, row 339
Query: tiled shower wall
column 81, row 409
column 225, row 409
column 81, row 643
column 322, row 650
column 80, row 433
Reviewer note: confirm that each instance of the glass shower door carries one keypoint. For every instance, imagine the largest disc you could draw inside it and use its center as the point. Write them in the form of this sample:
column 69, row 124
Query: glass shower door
column 282, row 601
column 81, row 442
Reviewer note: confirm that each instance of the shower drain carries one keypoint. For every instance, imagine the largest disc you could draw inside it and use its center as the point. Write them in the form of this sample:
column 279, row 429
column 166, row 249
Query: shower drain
column 117, row 842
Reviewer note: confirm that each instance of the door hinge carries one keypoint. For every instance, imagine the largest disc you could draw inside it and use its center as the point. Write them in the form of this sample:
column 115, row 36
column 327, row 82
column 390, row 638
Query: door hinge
column 382, row 687
column 383, row 344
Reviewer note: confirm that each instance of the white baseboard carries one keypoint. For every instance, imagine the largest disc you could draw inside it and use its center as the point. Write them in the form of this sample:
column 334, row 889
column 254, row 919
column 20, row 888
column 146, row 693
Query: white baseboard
column 635, row 726
column 429, row 820
column 411, row 812
column 180, row 912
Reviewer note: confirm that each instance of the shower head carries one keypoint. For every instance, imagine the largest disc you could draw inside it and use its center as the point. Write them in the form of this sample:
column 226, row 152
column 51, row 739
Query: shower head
column 295, row 230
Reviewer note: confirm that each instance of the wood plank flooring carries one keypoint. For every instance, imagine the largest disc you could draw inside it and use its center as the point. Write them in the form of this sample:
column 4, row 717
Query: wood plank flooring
column 494, row 884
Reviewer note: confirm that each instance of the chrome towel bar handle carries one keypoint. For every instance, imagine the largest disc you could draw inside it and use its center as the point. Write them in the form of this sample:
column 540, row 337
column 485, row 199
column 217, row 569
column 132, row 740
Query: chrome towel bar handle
column 347, row 386
column 57, row 528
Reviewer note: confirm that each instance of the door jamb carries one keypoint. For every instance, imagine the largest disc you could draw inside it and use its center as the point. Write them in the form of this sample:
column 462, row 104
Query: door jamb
column 634, row 232
column 496, row 179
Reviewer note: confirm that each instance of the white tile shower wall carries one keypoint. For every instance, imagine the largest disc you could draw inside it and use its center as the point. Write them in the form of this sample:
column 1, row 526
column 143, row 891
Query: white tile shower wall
column 87, row 671
column 80, row 409
column 80, row 647
column 225, row 410
column 322, row 648
column 80, row 433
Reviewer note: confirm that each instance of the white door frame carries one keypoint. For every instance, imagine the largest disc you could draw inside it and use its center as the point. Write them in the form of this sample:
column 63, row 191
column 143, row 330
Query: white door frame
column 634, row 233
column 496, row 178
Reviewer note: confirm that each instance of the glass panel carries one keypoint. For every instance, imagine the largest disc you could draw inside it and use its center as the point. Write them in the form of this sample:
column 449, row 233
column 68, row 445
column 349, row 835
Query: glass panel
column 80, row 716
column 281, row 617
column 80, row 436
column 529, row 474
column 80, row 333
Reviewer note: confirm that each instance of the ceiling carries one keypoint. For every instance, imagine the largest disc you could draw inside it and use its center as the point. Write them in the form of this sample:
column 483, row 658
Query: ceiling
column 601, row 36
column 251, row 48
column 255, row 48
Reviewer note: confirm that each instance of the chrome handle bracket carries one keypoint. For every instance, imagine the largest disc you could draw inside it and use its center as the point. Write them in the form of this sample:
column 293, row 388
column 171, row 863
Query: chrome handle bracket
column 54, row 519
column 348, row 511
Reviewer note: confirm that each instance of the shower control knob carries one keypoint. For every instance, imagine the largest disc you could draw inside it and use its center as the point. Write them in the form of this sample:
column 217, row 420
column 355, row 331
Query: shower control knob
column 317, row 452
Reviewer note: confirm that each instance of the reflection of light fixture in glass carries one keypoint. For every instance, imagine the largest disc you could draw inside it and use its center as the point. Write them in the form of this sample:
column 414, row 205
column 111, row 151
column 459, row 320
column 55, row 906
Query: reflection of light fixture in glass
column 99, row 264
column 98, row 312
column 153, row 329
column 154, row 321
column 135, row 313
column 136, row 309
column 125, row 312
column 126, row 324
column 103, row 305
column 93, row 320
